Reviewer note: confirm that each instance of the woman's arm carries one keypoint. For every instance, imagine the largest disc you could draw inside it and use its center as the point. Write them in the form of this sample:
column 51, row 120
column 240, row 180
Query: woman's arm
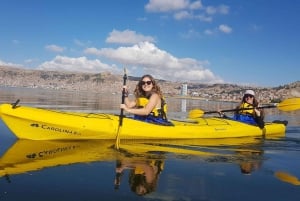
column 129, row 103
column 259, row 118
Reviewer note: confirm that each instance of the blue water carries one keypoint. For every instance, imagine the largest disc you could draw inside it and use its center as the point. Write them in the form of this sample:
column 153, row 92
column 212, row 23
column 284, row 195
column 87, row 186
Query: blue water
column 255, row 171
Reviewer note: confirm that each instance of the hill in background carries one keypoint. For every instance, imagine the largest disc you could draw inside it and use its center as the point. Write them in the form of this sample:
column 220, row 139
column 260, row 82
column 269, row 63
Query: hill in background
column 109, row 83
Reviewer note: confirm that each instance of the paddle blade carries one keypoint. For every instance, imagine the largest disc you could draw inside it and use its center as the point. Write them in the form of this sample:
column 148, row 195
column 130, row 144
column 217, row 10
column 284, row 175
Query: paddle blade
column 286, row 177
column 196, row 113
column 289, row 104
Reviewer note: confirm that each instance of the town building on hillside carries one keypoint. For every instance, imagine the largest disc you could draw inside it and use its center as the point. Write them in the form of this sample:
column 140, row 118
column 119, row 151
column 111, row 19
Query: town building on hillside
column 184, row 90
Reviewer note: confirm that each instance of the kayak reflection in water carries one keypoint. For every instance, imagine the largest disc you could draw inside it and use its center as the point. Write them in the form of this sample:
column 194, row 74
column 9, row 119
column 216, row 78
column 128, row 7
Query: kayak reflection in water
column 143, row 175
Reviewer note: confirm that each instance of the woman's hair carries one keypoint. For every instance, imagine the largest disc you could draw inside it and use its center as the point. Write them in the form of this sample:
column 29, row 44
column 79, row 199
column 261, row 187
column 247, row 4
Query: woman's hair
column 255, row 102
column 139, row 92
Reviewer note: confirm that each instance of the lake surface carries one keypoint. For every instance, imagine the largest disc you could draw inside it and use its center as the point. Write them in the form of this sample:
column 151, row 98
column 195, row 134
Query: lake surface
column 241, row 169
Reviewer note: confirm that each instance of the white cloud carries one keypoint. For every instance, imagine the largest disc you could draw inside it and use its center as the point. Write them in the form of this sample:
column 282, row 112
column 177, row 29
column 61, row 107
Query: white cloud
column 80, row 64
column 222, row 9
column 184, row 9
column 82, row 43
column 225, row 28
column 189, row 15
column 222, row 28
column 191, row 33
column 211, row 10
column 30, row 61
column 183, row 15
column 195, row 5
column 3, row 63
column 54, row 48
column 127, row 37
column 140, row 58
column 148, row 58
column 166, row 5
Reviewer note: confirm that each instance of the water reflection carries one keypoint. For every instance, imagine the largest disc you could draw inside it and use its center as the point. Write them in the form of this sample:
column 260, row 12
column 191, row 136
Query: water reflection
column 139, row 164
column 60, row 99
column 29, row 155
column 144, row 173
column 144, row 159
column 183, row 105
column 287, row 177
column 253, row 162
column 182, row 169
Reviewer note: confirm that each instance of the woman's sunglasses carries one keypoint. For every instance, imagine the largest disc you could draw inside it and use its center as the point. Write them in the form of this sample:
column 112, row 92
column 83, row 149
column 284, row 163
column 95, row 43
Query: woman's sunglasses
column 249, row 95
column 146, row 82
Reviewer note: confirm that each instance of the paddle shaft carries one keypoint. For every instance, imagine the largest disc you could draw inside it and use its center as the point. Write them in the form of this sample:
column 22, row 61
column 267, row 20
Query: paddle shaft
column 234, row 110
column 123, row 99
column 117, row 144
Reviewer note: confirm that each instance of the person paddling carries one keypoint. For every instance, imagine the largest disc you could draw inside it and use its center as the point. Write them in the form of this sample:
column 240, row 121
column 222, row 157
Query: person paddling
column 248, row 110
column 149, row 104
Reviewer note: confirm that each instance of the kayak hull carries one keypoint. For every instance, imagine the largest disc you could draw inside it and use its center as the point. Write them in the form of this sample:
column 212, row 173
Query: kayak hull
column 42, row 124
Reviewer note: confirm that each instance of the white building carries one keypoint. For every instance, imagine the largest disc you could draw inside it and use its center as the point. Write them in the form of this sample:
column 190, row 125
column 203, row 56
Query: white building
column 184, row 90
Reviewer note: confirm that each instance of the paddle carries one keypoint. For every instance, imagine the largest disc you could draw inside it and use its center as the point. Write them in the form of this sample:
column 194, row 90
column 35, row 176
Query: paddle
column 14, row 105
column 289, row 104
column 117, row 144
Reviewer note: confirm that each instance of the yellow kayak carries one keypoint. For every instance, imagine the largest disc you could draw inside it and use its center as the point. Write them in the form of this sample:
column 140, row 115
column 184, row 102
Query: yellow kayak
column 43, row 124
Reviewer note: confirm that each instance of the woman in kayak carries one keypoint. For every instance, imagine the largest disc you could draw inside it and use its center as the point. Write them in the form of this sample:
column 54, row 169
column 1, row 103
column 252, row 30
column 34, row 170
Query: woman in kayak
column 248, row 110
column 149, row 104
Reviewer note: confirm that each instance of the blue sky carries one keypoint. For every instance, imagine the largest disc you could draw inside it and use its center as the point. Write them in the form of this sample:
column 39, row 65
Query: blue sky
column 254, row 42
